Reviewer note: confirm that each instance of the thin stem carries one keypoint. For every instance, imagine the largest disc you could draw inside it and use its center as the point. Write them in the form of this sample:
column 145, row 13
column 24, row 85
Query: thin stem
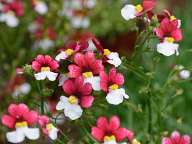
column 39, row 86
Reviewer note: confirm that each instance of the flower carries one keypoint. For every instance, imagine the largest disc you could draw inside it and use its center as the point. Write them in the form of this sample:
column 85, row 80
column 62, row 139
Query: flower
column 113, row 57
column 47, row 127
column 176, row 138
column 79, row 96
column 169, row 28
column 20, row 118
column 88, row 66
column 44, row 67
column 22, row 89
column 167, row 47
column 110, row 84
column 10, row 11
column 40, row 7
column 184, row 74
column 110, row 131
column 130, row 11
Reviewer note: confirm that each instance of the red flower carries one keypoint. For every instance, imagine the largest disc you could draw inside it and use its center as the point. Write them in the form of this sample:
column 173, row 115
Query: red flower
column 19, row 113
column 113, row 78
column 46, row 61
column 16, row 6
column 77, row 88
column 169, row 28
column 85, row 63
column 110, row 129
column 147, row 6
column 176, row 138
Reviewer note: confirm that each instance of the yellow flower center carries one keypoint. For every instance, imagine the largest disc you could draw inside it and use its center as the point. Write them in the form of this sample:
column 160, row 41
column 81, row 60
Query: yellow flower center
column 138, row 8
column 107, row 52
column 21, row 124
column 135, row 141
column 45, row 69
column 49, row 126
column 73, row 100
column 69, row 52
column 169, row 39
column 114, row 87
column 109, row 138
column 172, row 18
column 87, row 74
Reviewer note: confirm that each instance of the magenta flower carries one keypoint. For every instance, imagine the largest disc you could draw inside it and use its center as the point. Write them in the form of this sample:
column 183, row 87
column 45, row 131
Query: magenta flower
column 88, row 66
column 111, row 85
column 176, row 138
column 78, row 95
column 19, row 118
column 45, row 67
column 110, row 131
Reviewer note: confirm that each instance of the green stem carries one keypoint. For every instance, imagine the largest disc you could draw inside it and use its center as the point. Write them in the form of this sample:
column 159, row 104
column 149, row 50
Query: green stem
column 39, row 86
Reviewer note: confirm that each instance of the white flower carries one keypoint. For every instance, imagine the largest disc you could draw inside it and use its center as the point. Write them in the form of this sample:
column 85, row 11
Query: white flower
column 21, row 89
column 110, row 142
column 94, row 81
column 41, row 7
column 130, row 11
column 80, row 22
column 113, row 57
column 52, row 131
column 184, row 74
column 90, row 3
column 62, row 79
column 116, row 96
column 167, row 47
column 70, row 106
column 10, row 19
column 46, row 73
column 21, row 132
column 64, row 54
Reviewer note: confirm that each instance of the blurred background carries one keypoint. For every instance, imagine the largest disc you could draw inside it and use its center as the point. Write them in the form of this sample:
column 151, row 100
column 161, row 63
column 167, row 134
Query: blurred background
column 48, row 28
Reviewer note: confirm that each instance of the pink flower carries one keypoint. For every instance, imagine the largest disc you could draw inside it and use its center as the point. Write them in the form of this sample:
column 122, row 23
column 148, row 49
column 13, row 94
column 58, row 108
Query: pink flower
column 48, row 128
column 106, row 131
column 19, row 113
column 176, row 138
column 113, row 78
column 169, row 28
column 45, row 67
column 82, row 91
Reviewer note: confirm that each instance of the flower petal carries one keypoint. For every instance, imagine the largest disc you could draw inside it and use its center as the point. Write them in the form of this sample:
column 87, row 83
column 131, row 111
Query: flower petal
column 32, row 133
column 79, row 59
column 31, row 117
column 166, row 141
column 73, row 111
column 167, row 49
column 36, row 66
column 114, row 123
column 74, row 71
column 62, row 103
column 52, row 76
column 177, row 35
column 86, row 89
column 94, row 81
column 40, row 76
column 97, row 133
column 15, row 137
column 120, row 134
column 17, row 110
column 86, row 101
column 114, row 97
column 102, row 123
column 128, row 12
column 8, row 121
column 68, row 87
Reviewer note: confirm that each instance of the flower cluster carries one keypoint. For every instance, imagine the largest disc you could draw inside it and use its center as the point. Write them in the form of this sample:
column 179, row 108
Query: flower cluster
column 23, row 121
column 167, row 30
column 10, row 11
column 77, row 12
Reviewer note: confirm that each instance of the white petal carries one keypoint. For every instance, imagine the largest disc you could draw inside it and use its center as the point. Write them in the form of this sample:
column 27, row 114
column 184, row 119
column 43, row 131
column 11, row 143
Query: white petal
column 11, row 20
column 90, row 3
column 61, row 56
column 114, row 59
column 128, row 12
column 122, row 91
column 40, row 76
column 41, row 8
column 184, row 74
column 79, row 22
column 52, row 76
column 73, row 111
column 168, row 49
column 85, row 22
column 94, row 81
column 62, row 79
column 53, row 133
column 25, row 88
column 91, row 46
column 15, row 136
column 110, row 142
column 62, row 103
column 32, row 133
